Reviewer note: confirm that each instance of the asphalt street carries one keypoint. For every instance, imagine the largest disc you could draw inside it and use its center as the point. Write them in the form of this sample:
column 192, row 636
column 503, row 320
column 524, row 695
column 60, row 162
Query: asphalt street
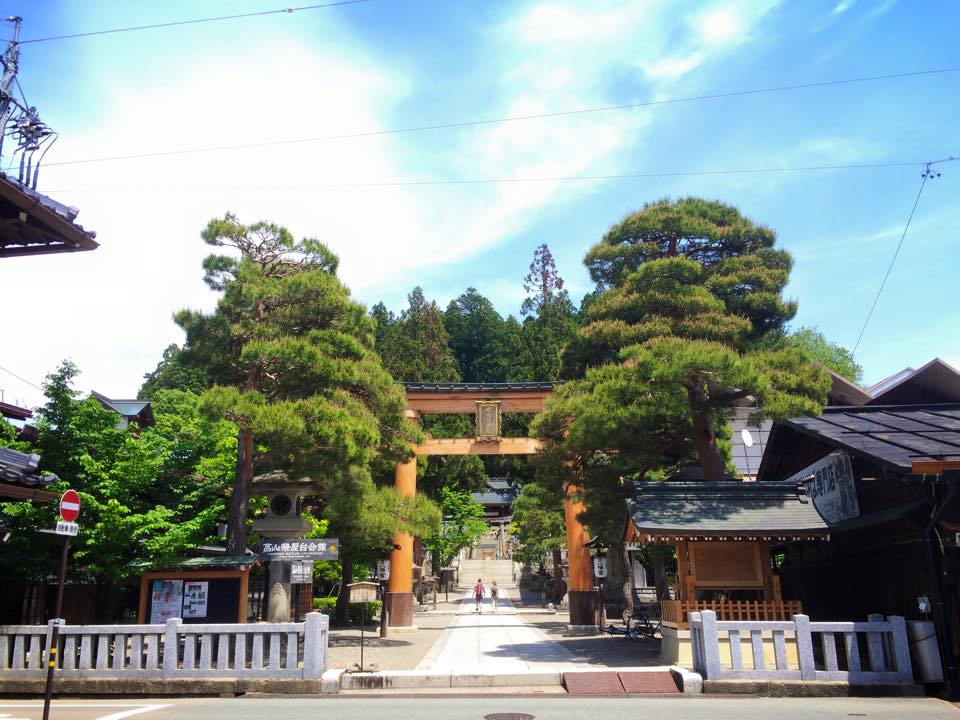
column 478, row 708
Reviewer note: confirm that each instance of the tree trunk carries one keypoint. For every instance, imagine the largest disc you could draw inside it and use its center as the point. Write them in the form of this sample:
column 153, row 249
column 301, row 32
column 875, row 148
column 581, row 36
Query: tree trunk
column 711, row 461
column 342, row 616
column 240, row 497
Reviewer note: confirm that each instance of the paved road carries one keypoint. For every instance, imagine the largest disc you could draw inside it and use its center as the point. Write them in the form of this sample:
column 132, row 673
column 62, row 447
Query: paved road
column 458, row 707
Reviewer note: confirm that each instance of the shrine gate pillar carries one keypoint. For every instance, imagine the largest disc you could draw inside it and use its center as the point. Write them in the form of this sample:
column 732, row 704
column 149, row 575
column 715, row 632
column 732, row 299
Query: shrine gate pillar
column 580, row 588
column 399, row 596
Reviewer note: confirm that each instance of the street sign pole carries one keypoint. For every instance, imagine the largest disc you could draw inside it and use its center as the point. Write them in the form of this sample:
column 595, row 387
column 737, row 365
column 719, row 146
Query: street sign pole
column 55, row 632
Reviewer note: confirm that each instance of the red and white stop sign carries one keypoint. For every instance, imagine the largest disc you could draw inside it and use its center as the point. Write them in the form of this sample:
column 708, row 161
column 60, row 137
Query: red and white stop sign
column 70, row 505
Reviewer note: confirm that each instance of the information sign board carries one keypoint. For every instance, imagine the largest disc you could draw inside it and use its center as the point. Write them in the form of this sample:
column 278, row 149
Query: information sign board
column 831, row 485
column 300, row 549
column 363, row 592
column 166, row 600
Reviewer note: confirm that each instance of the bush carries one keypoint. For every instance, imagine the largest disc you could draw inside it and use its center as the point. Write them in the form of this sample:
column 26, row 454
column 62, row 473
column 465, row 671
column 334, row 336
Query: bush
column 328, row 606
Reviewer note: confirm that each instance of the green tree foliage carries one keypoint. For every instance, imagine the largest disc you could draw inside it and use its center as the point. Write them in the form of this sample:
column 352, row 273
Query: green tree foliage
column 462, row 526
column 146, row 494
column 537, row 522
column 550, row 321
column 687, row 293
column 293, row 361
column 415, row 347
column 831, row 355
column 174, row 373
column 482, row 342
column 364, row 517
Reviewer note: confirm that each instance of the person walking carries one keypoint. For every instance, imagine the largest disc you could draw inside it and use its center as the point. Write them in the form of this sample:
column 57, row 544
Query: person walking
column 494, row 594
column 478, row 593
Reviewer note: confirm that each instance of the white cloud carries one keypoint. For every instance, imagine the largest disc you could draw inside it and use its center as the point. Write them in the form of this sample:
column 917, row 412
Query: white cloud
column 110, row 310
column 673, row 67
column 842, row 6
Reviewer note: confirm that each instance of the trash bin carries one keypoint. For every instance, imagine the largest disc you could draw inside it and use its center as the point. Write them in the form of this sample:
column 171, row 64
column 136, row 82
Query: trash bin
column 924, row 653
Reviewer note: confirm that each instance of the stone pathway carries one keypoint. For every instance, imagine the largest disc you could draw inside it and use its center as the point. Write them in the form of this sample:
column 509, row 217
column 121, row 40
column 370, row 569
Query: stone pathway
column 488, row 643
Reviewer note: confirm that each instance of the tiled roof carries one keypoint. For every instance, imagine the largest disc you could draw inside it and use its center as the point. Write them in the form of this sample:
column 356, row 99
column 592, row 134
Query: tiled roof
column 20, row 476
column 32, row 223
column 480, row 387
column 732, row 508
column 893, row 436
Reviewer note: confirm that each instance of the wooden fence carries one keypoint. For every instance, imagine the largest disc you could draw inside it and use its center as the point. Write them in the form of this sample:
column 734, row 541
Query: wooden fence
column 861, row 653
column 676, row 613
column 173, row 650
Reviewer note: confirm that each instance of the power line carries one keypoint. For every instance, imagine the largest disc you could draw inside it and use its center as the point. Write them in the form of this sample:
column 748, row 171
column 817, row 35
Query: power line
column 570, row 178
column 21, row 379
column 193, row 21
column 927, row 174
column 506, row 119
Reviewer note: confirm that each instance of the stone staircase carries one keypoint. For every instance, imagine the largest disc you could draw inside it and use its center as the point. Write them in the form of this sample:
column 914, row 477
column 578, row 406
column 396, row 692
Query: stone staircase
column 488, row 570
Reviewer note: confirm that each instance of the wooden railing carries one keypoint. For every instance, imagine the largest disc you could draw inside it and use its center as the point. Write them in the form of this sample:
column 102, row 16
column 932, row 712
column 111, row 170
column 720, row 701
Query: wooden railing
column 676, row 613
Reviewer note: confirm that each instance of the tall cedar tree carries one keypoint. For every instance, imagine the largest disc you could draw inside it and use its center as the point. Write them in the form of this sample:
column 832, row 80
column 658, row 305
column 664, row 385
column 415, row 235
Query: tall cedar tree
column 550, row 321
column 292, row 359
column 686, row 293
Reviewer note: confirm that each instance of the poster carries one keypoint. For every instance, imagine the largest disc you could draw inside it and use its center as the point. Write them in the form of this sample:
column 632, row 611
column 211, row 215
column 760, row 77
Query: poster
column 831, row 485
column 166, row 601
column 195, row 594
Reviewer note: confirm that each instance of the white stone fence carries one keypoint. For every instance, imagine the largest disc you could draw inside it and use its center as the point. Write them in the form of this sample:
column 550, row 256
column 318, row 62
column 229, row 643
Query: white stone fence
column 172, row 651
column 884, row 658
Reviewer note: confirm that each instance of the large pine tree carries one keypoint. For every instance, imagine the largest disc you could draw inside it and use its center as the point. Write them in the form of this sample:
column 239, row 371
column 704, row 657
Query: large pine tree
column 293, row 361
column 687, row 291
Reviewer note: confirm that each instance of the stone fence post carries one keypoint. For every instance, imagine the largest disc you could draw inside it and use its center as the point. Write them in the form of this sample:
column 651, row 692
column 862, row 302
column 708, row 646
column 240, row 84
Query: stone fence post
column 315, row 635
column 171, row 648
column 711, row 645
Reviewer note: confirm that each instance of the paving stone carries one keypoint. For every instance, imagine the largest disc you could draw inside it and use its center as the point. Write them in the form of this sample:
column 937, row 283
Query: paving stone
column 598, row 684
column 653, row 682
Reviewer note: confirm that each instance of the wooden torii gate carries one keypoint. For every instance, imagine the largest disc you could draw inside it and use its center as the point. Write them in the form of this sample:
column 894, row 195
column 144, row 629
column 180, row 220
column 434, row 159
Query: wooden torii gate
column 488, row 401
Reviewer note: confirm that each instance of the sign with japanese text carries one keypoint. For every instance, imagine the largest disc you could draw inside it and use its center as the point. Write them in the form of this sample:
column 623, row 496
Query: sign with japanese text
column 383, row 569
column 830, row 485
column 166, row 600
column 600, row 566
column 66, row 528
column 300, row 549
column 301, row 572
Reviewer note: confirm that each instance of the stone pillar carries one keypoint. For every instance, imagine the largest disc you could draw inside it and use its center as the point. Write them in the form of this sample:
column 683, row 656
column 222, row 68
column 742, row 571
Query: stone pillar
column 583, row 601
column 399, row 596
column 278, row 601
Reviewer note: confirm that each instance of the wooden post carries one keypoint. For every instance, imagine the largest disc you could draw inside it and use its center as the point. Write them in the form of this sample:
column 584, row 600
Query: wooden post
column 398, row 600
column 580, row 588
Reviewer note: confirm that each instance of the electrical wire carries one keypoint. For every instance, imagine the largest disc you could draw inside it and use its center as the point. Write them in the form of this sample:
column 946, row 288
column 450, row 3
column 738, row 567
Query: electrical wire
column 505, row 119
column 559, row 178
column 194, row 21
column 926, row 176
column 21, row 379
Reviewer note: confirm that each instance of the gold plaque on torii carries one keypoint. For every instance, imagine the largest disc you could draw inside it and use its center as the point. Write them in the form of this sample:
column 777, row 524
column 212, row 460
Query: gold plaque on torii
column 488, row 420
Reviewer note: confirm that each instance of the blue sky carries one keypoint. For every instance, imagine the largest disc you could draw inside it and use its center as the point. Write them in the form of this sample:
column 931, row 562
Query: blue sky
column 396, row 63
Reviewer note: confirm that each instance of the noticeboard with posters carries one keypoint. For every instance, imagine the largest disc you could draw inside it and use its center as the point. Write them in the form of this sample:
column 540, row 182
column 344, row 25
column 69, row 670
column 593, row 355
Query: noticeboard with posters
column 195, row 597
column 166, row 600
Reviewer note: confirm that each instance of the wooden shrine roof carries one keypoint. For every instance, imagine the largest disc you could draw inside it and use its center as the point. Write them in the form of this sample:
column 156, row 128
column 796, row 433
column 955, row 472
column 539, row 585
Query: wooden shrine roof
column 33, row 224
column 729, row 510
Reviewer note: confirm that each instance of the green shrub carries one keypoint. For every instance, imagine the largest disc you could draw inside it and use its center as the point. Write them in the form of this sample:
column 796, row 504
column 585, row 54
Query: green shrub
column 328, row 606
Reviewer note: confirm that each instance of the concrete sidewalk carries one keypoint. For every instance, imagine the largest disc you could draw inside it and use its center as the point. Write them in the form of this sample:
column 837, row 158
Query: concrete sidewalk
column 501, row 643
